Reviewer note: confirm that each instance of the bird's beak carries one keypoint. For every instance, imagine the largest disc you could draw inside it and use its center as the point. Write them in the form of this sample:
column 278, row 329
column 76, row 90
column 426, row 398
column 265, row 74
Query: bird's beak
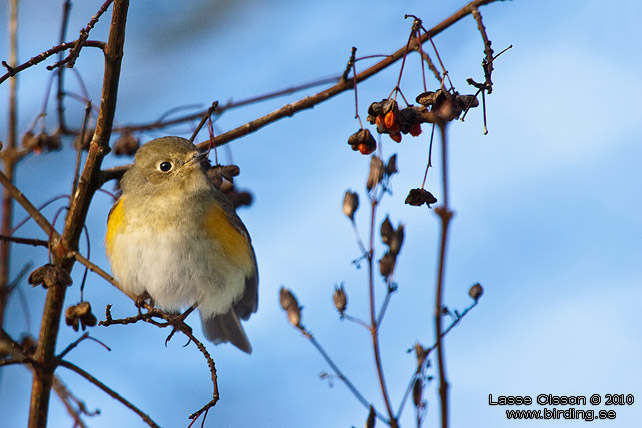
column 197, row 158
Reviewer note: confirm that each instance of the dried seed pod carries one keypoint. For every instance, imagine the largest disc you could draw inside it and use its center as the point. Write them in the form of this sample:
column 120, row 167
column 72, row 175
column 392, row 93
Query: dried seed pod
column 396, row 240
column 340, row 299
column 418, row 197
column 43, row 141
column 239, row 198
column 294, row 316
column 430, row 98
column 467, row 101
column 370, row 422
column 396, row 137
column 291, row 306
column 287, row 299
column 417, row 392
column 415, row 129
column 421, row 354
column 126, row 145
column 80, row 143
column 476, row 291
column 391, row 166
column 350, row 204
column 363, row 141
column 80, row 315
column 386, row 231
column 49, row 276
column 387, row 264
column 389, row 106
column 376, row 172
column 376, row 109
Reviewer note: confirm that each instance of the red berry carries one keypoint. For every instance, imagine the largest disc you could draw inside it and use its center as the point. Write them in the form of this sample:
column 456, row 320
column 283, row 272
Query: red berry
column 396, row 137
column 415, row 129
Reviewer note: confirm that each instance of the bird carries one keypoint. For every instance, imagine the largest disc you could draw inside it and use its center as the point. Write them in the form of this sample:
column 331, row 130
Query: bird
column 175, row 238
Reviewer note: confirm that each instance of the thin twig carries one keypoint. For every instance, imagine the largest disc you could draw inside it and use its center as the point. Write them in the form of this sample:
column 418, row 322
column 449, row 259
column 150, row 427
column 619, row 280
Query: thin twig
column 339, row 374
column 79, row 206
column 60, row 93
column 426, row 360
column 84, row 34
column 46, row 54
column 79, row 149
column 310, row 101
column 27, row 241
column 445, row 216
column 113, row 394
column 374, row 328
column 205, row 118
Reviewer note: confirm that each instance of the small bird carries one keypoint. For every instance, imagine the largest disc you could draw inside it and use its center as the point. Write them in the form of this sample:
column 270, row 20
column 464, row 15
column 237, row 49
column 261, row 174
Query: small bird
column 174, row 237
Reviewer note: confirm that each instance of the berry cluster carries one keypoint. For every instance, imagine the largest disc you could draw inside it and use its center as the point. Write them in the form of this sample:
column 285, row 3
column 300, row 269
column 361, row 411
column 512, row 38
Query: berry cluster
column 394, row 121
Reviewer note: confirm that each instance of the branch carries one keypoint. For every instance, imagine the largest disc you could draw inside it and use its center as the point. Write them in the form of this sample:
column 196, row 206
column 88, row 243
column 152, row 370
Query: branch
column 308, row 102
column 28, row 241
column 88, row 183
column 113, row 394
column 28, row 206
column 445, row 216
column 12, row 71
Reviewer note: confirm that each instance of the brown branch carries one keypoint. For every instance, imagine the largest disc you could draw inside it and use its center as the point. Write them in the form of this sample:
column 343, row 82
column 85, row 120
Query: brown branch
column 305, row 103
column 16, row 194
column 427, row 352
column 27, row 241
column 67, row 398
column 87, row 185
column 60, row 93
column 9, row 165
column 183, row 328
column 311, row 101
column 113, row 394
column 84, row 34
column 374, row 327
column 445, row 216
column 46, row 54
column 488, row 51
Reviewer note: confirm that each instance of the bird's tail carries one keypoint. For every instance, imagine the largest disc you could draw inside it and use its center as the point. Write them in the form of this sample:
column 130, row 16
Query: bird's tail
column 227, row 328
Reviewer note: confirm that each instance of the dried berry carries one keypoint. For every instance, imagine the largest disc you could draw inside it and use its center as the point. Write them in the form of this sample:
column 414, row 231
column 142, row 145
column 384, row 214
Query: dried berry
column 80, row 315
column 41, row 142
column 396, row 240
column 376, row 172
column 421, row 354
column 370, row 422
column 391, row 166
column 363, row 141
column 417, row 390
column 476, row 291
column 291, row 306
column 387, row 264
column 418, row 197
column 386, row 231
column 126, row 145
column 350, row 204
column 83, row 143
column 49, row 276
column 396, row 137
column 340, row 299
column 415, row 129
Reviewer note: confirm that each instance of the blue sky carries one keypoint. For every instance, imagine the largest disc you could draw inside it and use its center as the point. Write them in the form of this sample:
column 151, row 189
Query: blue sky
column 547, row 210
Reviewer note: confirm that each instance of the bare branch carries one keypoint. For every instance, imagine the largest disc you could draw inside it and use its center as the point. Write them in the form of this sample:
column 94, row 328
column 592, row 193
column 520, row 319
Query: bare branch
column 113, row 394
column 28, row 241
column 46, row 54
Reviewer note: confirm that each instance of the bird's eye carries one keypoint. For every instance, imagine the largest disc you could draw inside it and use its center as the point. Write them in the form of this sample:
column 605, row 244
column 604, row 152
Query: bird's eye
column 165, row 166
